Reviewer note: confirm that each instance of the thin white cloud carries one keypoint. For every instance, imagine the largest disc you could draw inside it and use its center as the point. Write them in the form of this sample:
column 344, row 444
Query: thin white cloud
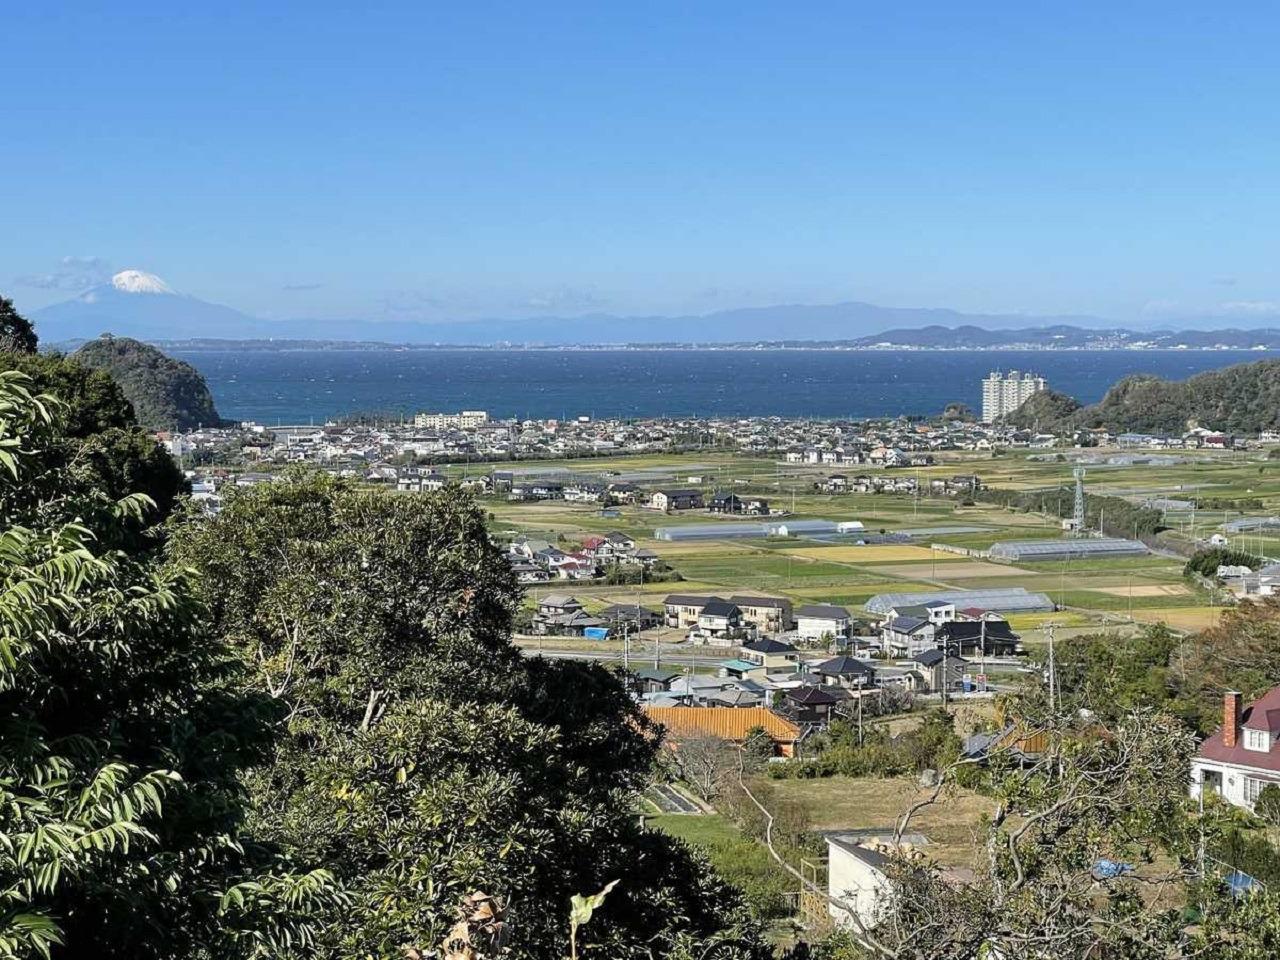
column 565, row 298
column 1160, row 308
column 1251, row 308
column 72, row 274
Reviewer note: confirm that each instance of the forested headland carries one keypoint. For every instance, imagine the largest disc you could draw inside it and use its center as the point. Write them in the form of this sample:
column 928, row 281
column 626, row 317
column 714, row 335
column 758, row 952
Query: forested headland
column 1241, row 399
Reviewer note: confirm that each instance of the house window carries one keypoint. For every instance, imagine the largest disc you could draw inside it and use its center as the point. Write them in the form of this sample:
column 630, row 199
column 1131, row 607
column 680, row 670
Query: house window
column 1257, row 740
column 1253, row 787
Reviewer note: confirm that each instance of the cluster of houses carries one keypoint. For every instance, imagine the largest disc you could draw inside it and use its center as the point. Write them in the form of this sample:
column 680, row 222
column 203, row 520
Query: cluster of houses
column 960, row 485
column 887, row 457
column 537, row 561
column 474, row 435
column 719, row 621
column 805, row 688
column 938, row 625
column 618, row 492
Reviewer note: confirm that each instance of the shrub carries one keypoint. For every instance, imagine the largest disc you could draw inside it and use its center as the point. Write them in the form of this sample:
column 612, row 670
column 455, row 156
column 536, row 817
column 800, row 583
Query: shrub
column 1267, row 806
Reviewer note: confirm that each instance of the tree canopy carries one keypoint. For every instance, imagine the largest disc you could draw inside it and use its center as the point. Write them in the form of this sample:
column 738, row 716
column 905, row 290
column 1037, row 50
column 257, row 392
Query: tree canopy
column 423, row 759
column 1244, row 398
column 16, row 333
column 123, row 730
column 1045, row 410
column 98, row 433
column 166, row 394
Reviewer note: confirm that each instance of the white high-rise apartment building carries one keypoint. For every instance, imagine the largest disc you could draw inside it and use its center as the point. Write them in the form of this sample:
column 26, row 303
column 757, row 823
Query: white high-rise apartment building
column 1004, row 393
column 466, row 420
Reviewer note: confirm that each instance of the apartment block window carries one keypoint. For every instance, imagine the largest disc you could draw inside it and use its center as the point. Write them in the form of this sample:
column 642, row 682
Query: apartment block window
column 1257, row 740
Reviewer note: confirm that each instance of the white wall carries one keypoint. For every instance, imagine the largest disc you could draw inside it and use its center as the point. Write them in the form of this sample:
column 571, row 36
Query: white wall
column 856, row 883
column 812, row 628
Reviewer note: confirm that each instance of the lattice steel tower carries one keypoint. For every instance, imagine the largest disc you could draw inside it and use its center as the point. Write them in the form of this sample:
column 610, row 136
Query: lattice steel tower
column 1078, row 518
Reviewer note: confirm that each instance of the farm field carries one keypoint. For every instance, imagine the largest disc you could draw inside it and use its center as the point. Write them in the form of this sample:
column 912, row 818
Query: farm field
column 1096, row 592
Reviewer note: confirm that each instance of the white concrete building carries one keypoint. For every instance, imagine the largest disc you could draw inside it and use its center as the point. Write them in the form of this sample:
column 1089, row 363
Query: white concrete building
column 1004, row 393
column 466, row 420
column 816, row 620
column 857, row 880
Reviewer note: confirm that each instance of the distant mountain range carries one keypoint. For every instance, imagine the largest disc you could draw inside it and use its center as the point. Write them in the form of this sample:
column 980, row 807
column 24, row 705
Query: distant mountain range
column 141, row 305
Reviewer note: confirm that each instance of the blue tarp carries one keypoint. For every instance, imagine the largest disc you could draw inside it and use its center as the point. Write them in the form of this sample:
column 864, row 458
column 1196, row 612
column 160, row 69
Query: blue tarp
column 1109, row 869
column 1240, row 883
column 596, row 633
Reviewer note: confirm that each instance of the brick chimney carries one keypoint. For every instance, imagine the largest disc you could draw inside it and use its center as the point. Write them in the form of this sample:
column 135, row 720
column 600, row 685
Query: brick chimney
column 1231, row 718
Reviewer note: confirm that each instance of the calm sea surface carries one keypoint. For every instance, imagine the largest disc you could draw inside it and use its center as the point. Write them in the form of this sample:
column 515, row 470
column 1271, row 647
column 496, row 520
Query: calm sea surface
column 311, row 385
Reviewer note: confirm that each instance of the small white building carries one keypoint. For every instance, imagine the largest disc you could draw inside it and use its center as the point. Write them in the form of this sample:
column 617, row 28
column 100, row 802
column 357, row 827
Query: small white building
column 858, row 883
column 1242, row 757
column 816, row 620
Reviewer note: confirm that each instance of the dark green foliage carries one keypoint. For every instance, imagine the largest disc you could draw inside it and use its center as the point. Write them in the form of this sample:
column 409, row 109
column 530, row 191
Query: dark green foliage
column 1113, row 675
column 100, row 438
column 1241, row 653
column 94, row 402
column 1206, row 562
column 1240, row 504
column 166, row 394
column 423, row 757
column 1267, row 806
column 929, row 746
column 959, row 411
column 1047, row 410
column 1119, row 518
column 123, row 731
column 1243, row 399
column 16, row 332
column 616, row 574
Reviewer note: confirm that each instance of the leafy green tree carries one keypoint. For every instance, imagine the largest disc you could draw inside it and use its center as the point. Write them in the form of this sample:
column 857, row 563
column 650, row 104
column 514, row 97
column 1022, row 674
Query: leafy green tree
column 1267, row 806
column 1242, row 652
column 16, row 332
column 423, row 758
column 1047, row 410
column 99, row 435
column 1206, row 562
column 1112, row 675
column 167, row 394
column 1089, row 850
column 122, row 734
column 93, row 401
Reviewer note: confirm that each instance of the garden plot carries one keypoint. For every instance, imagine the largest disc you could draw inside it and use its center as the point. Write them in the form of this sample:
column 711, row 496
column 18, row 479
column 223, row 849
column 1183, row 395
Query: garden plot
column 872, row 553
column 952, row 570
column 1146, row 590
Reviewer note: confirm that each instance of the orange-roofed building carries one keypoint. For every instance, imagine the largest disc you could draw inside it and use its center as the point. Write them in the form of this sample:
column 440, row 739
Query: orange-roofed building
column 729, row 723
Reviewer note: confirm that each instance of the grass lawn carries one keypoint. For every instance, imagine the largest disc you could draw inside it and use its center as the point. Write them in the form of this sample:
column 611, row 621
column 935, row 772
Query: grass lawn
column 836, row 803
column 740, row 860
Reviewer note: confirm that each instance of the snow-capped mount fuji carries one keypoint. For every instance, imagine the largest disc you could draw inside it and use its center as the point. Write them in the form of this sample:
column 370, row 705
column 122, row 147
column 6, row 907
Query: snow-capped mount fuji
column 139, row 304
column 139, row 281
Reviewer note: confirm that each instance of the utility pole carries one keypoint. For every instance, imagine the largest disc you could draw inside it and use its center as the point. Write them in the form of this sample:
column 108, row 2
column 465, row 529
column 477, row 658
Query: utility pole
column 982, row 648
column 1053, row 676
column 861, row 691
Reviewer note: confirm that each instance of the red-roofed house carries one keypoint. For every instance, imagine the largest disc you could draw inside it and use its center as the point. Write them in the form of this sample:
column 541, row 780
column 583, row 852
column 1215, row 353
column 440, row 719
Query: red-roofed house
column 1243, row 756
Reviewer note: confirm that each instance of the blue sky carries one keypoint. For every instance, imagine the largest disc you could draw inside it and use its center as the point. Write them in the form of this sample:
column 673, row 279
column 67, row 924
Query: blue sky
column 479, row 159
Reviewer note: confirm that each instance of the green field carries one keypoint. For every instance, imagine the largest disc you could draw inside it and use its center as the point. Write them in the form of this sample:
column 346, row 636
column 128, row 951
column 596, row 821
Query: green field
column 1097, row 591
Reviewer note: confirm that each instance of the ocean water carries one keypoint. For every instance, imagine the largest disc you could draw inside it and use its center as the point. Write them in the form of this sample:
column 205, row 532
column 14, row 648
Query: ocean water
column 305, row 386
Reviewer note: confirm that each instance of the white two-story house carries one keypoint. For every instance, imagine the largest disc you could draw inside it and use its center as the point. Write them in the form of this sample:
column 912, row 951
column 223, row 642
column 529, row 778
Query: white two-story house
column 1243, row 756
